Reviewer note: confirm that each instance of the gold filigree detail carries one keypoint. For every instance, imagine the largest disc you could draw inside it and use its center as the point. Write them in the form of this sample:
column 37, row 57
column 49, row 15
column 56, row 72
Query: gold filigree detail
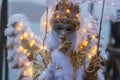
column 46, row 57
column 46, row 60
column 77, row 59
column 25, row 44
column 94, row 65
column 65, row 12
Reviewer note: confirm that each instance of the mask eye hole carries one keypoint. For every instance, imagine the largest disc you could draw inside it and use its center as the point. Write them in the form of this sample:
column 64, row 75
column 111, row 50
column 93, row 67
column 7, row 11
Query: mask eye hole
column 59, row 28
column 69, row 30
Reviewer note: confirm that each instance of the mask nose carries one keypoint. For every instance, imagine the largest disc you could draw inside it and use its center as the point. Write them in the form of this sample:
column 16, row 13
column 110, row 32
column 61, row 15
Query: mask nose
column 64, row 33
column 63, row 38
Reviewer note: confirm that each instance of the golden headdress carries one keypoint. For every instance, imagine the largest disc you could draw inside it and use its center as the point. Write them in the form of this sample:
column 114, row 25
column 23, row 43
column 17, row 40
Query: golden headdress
column 66, row 12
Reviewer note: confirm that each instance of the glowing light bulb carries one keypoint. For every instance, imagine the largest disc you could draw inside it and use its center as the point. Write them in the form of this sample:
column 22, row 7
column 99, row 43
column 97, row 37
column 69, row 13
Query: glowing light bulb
column 21, row 48
column 25, row 51
column 43, row 47
column 94, row 50
column 85, row 43
column 27, row 64
column 57, row 16
column 28, row 72
column 89, row 56
column 81, row 47
column 28, row 54
column 31, row 35
column 77, row 15
column 21, row 37
column 32, row 42
column 25, row 34
column 93, row 36
column 68, row 11
column 19, row 26
column 84, row 30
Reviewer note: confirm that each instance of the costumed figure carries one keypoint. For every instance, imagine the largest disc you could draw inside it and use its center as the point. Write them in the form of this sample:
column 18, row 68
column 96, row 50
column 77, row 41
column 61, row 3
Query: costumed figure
column 69, row 51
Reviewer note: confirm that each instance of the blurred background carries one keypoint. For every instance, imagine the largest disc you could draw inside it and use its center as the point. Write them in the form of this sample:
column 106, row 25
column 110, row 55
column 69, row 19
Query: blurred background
column 34, row 9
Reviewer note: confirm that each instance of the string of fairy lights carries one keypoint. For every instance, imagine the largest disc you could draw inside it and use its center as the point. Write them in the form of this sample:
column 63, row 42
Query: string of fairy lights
column 85, row 43
column 31, row 42
column 27, row 47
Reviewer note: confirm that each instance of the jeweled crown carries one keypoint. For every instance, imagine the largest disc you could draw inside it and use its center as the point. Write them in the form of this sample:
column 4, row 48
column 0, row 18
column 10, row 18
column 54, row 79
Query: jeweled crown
column 66, row 12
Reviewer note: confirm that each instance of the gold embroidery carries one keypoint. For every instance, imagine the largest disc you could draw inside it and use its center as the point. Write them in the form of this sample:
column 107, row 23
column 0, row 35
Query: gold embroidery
column 77, row 59
column 46, row 57
column 38, row 67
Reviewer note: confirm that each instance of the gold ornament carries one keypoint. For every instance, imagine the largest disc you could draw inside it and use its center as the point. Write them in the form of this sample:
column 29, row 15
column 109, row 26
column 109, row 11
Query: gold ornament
column 66, row 13
column 46, row 59
column 77, row 59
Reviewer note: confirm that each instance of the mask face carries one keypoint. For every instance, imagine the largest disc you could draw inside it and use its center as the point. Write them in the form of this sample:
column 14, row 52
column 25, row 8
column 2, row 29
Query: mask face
column 63, row 30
